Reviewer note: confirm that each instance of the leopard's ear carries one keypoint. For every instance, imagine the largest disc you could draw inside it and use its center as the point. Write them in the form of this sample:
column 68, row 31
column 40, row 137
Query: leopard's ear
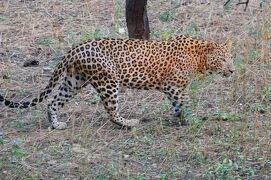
column 209, row 47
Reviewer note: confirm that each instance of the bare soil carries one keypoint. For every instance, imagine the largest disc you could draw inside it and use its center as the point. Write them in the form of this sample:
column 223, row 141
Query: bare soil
column 232, row 141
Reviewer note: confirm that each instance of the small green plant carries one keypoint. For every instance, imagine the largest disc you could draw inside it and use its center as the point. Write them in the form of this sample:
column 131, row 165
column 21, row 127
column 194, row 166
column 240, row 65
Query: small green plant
column 192, row 28
column 118, row 10
column 195, row 86
column 216, row 130
column 134, row 132
column 232, row 135
column 257, row 107
column 230, row 116
column 144, row 140
column 17, row 149
column 197, row 80
column 117, row 29
column 95, row 99
column 165, row 36
column 166, row 106
column 247, row 171
column 56, row 56
column 24, row 91
column 85, row 36
column 163, row 176
column 143, row 109
column 35, row 114
column 47, row 41
column 102, row 111
column 19, row 125
column 222, row 170
column 3, row 18
column 165, row 16
column 113, row 172
column 195, row 123
column 140, row 177
column 196, row 154
column 101, row 176
column 7, row 72
column 162, row 152
column 239, row 62
column 97, row 33
column 1, row 139
column 173, row 2
column 187, row 113
column 71, row 37
column 254, row 53
column 227, row 6
column 266, row 93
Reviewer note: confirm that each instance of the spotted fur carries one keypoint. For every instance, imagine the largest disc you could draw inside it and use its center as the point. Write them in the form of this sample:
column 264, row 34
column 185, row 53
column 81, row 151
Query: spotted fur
column 107, row 64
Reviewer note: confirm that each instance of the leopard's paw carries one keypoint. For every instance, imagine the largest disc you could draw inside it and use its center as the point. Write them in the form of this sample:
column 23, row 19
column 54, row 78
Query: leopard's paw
column 59, row 125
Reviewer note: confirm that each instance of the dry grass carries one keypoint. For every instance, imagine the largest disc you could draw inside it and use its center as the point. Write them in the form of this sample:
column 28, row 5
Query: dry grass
column 233, row 142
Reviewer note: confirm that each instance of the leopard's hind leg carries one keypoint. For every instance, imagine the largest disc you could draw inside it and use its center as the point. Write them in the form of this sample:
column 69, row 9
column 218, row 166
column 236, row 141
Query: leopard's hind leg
column 69, row 88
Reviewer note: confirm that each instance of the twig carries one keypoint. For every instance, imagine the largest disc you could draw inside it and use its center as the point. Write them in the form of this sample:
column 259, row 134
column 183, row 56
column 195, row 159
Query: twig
column 239, row 3
column 245, row 2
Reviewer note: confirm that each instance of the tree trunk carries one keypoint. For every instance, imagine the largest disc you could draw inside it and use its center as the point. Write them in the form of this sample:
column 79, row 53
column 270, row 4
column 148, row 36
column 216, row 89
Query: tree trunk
column 137, row 19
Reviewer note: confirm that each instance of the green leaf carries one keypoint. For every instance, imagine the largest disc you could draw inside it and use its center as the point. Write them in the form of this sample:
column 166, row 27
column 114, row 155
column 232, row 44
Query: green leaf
column 173, row 1
column 97, row 33
column 163, row 176
column 96, row 99
column 227, row 116
column 227, row 6
column 3, row 18
column 19, row 153
column 165, row 36
column 192, row 28
column 85, row 36
column 140, row 177
column 165, row 16
column 1, row 139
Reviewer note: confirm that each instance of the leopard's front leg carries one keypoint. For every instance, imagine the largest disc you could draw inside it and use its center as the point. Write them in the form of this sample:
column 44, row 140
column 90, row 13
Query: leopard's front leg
column 182, row 108
column 175, row 89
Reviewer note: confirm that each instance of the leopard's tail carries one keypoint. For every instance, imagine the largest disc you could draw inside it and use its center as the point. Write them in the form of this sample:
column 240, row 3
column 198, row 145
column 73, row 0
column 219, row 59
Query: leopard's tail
column 59, row 70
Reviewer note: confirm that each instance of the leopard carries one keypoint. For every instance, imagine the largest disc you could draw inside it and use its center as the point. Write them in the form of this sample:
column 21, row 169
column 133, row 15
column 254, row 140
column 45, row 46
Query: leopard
column 108, row 64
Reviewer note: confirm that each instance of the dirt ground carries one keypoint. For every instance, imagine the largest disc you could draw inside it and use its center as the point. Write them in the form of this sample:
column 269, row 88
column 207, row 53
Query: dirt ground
column 232, row 141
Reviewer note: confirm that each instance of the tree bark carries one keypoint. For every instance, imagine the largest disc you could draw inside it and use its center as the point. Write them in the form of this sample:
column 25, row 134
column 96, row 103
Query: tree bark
column 137, row 19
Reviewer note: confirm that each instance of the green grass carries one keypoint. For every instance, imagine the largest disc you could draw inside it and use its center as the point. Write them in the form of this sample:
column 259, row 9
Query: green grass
column 56, row 56
column 231, row 144
column 46, row 41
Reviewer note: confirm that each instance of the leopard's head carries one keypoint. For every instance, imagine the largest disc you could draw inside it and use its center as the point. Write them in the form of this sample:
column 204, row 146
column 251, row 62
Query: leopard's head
column 219, row 58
